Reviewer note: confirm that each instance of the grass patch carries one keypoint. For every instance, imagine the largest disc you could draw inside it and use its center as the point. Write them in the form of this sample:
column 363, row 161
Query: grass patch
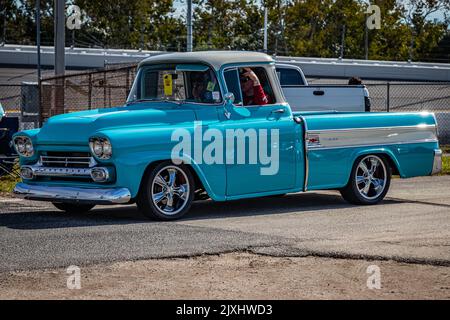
column 7, row 183
column 445, row 165
column 445, row 148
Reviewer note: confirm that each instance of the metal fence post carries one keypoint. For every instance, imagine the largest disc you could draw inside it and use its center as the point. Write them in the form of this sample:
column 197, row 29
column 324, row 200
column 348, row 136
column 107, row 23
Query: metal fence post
column 127, row 84
column 90, row 92
column 104, row 89
column 388, row 94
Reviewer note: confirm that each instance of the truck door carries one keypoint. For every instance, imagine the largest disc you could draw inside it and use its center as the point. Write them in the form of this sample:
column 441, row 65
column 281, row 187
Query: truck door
column 266, row 135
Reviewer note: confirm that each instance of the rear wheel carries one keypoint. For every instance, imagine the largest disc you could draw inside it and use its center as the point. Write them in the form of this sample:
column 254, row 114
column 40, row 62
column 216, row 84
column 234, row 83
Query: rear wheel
column 369, row 180
column 167, row 192
column 73, row 208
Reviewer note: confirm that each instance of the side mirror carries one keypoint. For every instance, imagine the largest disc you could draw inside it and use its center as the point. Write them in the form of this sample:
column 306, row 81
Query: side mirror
column 229, row 97
column 230, row 108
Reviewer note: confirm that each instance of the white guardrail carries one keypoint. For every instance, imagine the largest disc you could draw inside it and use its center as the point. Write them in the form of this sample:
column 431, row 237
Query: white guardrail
column 312, row 67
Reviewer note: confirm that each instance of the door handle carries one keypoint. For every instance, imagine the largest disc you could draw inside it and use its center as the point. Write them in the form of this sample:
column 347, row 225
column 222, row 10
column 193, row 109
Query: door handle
column 319, row 93
column 281, row 110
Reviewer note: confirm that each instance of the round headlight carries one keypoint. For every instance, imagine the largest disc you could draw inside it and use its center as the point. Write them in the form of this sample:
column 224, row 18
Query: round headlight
column 107, row 149
column 24, row 146
column 29, row 147
column 100, row 147
column 20, row 147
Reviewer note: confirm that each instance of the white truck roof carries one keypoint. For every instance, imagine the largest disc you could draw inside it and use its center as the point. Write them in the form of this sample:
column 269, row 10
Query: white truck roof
column 215, row 59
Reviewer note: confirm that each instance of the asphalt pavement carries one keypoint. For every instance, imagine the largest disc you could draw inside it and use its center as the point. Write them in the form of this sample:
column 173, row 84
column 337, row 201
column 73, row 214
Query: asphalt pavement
column 411, row 225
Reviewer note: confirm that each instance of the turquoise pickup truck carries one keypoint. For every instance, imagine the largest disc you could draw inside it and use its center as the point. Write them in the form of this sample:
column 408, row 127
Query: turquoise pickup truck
column 215, row 125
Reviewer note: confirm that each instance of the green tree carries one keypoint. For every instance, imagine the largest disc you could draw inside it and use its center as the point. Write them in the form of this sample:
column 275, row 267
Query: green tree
column 146, row 24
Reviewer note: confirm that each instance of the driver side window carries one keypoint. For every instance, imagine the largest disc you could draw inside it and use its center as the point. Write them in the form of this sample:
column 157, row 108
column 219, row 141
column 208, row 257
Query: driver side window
column 232, row 81
column 250, row 86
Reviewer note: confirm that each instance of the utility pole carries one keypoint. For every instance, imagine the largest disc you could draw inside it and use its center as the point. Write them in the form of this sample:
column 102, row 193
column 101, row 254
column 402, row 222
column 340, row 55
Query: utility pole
column 38, row 40
column 4, row 28
column 411, row 46
column 342, row 43
column 59, row 43
column 189, row 26
column 265, row 28
column 38, row 47
column 366, row 40
column 59, row 37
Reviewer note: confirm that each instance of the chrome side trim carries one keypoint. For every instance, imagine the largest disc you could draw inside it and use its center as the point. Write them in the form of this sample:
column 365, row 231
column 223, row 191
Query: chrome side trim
column 72, row 194
column 358, row 137
column 310, row 148
column 419, row 126
column 437, row 162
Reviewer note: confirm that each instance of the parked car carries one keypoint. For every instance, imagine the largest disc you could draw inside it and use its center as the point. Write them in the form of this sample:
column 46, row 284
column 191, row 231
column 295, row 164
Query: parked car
column 132, row 153
column 303, row 96
column 8, row 126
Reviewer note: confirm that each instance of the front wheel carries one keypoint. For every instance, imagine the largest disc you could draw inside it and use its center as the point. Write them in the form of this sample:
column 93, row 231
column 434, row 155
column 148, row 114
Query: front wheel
column 167, row 192
column 369, row 180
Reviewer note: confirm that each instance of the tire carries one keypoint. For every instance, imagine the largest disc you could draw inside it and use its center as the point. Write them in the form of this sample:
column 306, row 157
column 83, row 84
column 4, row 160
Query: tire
column 73, row 208
column 166, row 192
column 369, row 180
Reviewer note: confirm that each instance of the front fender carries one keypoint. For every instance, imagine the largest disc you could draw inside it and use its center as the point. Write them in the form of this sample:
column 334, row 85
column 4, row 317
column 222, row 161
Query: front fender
column 130, row 169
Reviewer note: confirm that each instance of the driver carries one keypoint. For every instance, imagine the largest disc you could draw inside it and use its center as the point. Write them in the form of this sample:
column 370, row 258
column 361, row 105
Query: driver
column 252, row 91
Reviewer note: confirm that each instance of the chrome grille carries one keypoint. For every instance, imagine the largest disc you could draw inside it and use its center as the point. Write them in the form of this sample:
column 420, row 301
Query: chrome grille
column 67, row 160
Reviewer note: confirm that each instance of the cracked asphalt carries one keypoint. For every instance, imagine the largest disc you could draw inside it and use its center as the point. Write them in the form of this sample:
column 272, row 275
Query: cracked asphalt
column 411, row 225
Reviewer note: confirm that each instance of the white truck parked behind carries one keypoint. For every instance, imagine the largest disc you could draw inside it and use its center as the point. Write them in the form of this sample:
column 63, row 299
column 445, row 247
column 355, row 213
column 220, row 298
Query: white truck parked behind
column 325, row 97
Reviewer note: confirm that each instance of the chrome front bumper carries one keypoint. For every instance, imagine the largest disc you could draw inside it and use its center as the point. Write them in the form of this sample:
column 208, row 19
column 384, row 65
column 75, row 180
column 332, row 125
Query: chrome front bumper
column 72, row 194
column 437, row 162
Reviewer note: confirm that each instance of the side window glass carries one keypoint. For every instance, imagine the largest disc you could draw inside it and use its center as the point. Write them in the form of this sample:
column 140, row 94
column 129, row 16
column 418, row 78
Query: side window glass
column 203, row 87
column 150, row 84
column 232, row 81
column 255, row 86
column 289, row 77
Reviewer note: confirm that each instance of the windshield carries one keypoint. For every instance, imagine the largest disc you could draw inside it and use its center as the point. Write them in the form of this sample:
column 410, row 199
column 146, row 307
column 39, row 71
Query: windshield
column 183, row 83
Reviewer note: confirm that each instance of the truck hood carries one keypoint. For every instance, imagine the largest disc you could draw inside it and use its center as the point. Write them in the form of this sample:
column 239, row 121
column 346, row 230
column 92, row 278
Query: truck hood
column 76, row 128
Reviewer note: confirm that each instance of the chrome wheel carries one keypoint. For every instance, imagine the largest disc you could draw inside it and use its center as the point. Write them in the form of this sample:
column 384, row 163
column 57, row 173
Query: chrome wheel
column 371, row 175
column 170, row 190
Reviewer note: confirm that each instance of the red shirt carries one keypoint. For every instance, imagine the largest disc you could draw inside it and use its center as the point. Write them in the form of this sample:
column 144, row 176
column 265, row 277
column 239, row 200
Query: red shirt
column 259, row 97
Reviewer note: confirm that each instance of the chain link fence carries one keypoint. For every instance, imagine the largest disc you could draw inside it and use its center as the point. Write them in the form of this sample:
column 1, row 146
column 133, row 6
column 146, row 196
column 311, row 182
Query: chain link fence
column 85, row 91
column 414, row 97
column 110, row 86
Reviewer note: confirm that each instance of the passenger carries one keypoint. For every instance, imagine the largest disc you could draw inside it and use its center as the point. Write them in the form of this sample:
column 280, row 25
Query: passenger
column 354, row 81
column 198, row 87
column 252, row 91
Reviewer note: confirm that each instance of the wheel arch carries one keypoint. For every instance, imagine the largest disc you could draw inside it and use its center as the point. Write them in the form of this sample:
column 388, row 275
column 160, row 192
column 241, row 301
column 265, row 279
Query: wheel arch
column 199, row 178
column 386, row 153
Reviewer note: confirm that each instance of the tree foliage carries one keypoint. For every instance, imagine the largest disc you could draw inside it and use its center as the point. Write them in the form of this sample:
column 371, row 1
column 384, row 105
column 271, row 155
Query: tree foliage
column 416, row 29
